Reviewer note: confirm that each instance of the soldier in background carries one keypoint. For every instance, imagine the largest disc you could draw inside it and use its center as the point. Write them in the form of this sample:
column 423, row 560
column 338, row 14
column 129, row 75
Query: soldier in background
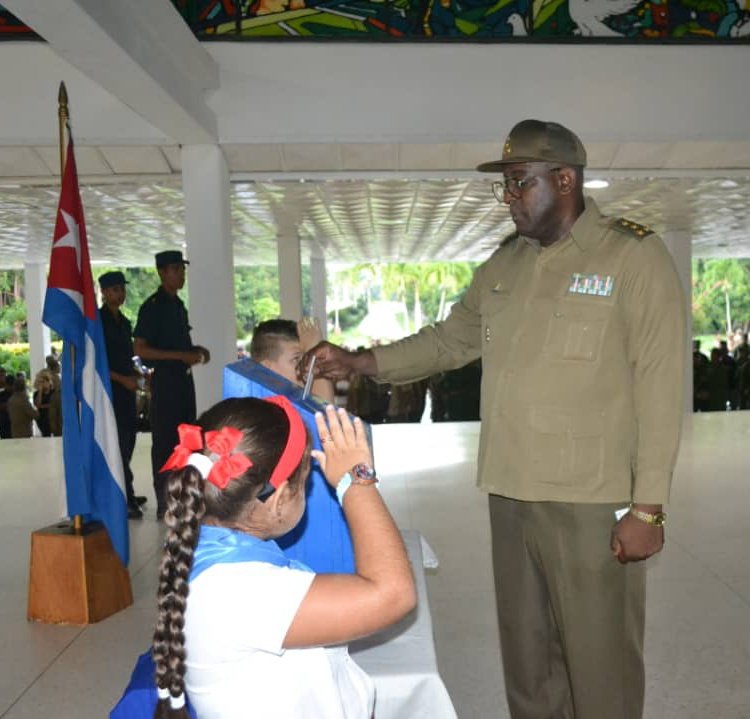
column 162, row 338
column 118, row 339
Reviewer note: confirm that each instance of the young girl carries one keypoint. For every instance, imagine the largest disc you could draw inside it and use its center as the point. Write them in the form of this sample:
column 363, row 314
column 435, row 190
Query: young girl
column 244, row 630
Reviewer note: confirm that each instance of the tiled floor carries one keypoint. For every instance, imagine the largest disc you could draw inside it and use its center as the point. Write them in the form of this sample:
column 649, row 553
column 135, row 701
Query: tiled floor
column 698, row 637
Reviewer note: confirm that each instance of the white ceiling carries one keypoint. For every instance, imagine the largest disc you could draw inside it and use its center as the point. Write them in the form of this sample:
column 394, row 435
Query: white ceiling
column 357, row 219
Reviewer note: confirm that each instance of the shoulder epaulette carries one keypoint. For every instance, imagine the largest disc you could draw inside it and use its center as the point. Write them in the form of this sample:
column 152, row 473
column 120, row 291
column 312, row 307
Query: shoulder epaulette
column 631, row 228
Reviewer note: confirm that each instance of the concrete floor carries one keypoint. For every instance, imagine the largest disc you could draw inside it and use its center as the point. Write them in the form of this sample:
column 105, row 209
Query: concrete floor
column 698, row 633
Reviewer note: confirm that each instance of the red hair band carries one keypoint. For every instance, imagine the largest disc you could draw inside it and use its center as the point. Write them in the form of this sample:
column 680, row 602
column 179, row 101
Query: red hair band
column 295, row 443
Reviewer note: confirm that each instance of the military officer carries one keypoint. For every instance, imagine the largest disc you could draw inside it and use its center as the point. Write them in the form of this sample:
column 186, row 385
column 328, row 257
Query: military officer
column 576, row 317
column 162, row 339
column 118, row 338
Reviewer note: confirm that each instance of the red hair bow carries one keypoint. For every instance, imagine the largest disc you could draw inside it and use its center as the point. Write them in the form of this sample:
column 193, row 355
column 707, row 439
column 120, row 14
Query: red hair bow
column 191, row 440
column 227, row 466
column 220, row 443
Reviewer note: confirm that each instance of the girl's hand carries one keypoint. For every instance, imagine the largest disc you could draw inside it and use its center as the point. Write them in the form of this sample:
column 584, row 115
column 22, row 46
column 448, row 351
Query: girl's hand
column 344, row 443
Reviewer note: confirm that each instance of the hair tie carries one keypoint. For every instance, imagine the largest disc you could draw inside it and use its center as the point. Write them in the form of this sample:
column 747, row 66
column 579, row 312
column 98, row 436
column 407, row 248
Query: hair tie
column 202, row 463
column 177, row 702
column 222, row 464
column 163, row 693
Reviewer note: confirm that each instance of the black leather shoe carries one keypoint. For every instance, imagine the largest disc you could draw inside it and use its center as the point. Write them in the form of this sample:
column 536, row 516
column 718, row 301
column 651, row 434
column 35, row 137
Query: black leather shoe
column 134, row 511
column 141, row 499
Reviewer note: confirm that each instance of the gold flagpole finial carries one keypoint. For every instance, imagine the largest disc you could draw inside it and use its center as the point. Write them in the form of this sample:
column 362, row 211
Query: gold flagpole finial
column 62, row 115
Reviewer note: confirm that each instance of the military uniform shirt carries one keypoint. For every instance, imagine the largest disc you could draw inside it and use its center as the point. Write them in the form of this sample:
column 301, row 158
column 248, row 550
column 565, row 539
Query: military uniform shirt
column 163, row 323
column 118, row 338
column 581, row 345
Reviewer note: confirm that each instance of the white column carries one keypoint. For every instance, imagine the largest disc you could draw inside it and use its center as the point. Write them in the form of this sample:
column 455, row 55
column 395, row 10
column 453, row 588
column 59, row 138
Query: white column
column 318, row 291
column 208, row 235
column 35, row 286
column 290, row 276
column 679, row 244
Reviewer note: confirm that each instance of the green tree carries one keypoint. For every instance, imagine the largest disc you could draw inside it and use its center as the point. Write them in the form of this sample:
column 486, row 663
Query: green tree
column 721, row 295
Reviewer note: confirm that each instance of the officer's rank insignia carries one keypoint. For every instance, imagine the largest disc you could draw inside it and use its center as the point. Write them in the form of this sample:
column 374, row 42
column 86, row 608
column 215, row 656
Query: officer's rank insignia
column 598, row 285
column 632, row 228
column 507, row 148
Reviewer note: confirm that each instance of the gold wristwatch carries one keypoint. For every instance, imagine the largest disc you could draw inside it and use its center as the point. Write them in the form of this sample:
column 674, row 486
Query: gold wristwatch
column 655, row 519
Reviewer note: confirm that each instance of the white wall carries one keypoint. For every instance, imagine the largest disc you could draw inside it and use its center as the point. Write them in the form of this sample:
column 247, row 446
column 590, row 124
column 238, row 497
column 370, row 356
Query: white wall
column 412, row 93
column 418, row 93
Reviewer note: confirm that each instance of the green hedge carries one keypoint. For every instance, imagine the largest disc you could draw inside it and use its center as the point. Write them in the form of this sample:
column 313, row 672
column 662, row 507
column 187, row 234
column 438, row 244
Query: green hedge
column 15, row 357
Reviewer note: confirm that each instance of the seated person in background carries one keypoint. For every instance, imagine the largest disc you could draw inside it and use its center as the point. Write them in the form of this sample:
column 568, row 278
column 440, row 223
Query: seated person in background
column 262, row 634
column 279, row 346
column 21, row 412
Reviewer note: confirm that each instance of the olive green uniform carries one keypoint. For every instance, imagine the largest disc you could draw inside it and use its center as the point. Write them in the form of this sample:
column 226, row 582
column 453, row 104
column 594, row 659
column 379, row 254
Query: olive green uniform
column 581, row 410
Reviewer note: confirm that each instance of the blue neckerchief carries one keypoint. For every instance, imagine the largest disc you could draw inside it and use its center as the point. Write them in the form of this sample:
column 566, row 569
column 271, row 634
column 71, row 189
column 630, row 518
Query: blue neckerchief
column 220, row 545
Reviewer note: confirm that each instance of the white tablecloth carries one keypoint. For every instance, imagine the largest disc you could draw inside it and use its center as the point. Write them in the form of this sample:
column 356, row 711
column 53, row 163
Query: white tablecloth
column 401, row 660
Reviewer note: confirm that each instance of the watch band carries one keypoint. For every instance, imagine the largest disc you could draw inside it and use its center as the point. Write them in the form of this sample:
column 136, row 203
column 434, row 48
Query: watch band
column 342, row 486
column 348, row 480
column 655, row 519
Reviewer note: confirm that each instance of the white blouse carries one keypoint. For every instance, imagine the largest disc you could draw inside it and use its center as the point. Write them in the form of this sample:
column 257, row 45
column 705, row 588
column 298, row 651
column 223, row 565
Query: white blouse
column 237, row 617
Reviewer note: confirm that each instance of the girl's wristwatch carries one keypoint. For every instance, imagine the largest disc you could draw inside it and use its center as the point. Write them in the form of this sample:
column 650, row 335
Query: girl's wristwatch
column 359, row 474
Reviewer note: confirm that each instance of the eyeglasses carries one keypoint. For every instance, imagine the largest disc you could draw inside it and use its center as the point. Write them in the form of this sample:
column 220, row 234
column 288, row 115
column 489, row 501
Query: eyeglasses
column 515, row 186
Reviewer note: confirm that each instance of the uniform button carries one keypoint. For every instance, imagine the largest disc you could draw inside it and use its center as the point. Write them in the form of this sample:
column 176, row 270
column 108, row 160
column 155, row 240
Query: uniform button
column 557, row 315
column 486, row 334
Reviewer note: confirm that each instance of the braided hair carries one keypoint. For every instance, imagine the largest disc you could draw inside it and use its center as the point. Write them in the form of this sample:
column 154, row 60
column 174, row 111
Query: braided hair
column 190, row 499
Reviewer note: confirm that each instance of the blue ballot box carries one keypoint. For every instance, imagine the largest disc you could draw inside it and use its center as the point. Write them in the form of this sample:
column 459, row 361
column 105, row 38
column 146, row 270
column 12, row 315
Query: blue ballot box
column 321, row 540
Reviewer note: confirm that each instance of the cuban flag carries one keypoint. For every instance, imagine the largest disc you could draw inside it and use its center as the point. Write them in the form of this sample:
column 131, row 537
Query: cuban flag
column 94, row 479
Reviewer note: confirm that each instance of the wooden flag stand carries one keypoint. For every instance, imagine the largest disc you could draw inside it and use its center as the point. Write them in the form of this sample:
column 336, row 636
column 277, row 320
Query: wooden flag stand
column 75, row 576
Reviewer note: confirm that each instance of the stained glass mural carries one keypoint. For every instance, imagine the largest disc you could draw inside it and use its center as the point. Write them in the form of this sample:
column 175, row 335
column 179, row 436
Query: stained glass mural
column 457, row 20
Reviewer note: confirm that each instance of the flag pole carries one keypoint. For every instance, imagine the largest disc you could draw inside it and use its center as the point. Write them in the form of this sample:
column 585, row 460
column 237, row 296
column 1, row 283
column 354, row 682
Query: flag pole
column 63, row 116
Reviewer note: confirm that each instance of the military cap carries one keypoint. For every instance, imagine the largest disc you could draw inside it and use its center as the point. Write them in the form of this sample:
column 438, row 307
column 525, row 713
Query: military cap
column 539, row 141
column 112, row 279
column 170, row 257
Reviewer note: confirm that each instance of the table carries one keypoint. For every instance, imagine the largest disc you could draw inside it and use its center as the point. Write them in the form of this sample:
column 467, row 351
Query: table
column 401, row 660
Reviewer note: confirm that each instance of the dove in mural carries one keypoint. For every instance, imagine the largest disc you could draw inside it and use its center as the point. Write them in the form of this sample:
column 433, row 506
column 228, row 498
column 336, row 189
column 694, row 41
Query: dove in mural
column 589, row 15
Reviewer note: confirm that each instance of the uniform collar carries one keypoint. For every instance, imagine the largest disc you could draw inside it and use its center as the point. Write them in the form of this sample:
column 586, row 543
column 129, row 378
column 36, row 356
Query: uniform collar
column 164, row 296
column 586, row 229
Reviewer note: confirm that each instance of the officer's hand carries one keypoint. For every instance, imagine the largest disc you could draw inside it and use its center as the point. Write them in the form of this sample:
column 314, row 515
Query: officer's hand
column 192, row 357
column 206, row 354
column 633, row 540
column 331, row 361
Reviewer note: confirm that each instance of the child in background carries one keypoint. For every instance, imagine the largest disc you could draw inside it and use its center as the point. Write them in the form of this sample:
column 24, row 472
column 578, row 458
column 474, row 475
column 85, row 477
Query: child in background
column 248, row 632
column 279, row 346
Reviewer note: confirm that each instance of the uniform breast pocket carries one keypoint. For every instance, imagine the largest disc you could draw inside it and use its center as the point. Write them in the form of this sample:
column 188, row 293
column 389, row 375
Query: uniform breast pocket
column 576, row 335
column 496, row 315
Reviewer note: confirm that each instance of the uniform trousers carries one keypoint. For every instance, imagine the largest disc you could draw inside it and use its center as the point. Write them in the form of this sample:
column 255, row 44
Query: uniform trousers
column 172, row 403
column 123, row 403
column 571, row 617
